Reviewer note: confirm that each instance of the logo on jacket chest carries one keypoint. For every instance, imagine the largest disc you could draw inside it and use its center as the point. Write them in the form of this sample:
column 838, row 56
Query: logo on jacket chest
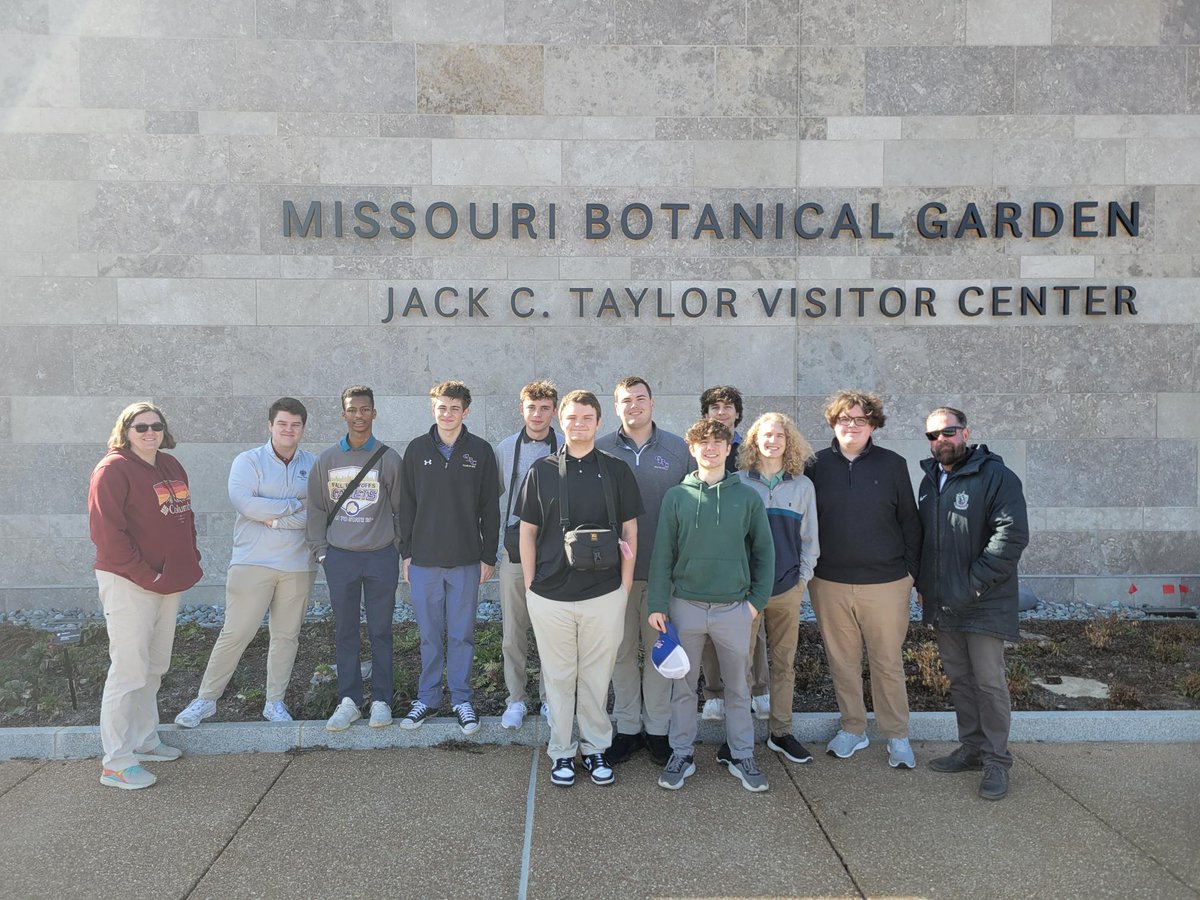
column 469, row 461
column 661, row 462
column 961, row 501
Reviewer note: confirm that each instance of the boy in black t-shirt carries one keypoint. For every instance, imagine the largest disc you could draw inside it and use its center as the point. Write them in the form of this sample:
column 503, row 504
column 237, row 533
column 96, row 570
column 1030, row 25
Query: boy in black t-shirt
column 578, row 616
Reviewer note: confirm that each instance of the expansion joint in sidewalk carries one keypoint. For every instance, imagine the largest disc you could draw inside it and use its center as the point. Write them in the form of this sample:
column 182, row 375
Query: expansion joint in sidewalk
column 233, row 834
column 41, row 765
column 825, row 833
column 1145, row 851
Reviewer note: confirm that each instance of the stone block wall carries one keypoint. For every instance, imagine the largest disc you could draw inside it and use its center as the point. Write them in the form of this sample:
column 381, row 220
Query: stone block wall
column 148, row 147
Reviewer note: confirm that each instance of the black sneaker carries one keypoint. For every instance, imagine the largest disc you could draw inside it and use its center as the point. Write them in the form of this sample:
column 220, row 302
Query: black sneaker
column 659, row 748
column 602, row 772
column 789, row 747
column 417, row 714
column 467, row 720
column 995, row 782
column 563, row 772
column 724, row 755
column 624, row 746
column 963, row 759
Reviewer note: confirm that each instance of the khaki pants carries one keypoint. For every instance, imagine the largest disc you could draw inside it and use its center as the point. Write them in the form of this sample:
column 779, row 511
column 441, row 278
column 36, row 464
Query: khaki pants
column 250, row 593
column 877, row 614
column 759, row 674
column 782, row 621
column 578, row 645
column 515, row 626
column 640, row 694
column 141, row 632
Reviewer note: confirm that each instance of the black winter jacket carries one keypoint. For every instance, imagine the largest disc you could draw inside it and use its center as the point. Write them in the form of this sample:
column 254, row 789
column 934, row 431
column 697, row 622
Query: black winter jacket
column 975, row 529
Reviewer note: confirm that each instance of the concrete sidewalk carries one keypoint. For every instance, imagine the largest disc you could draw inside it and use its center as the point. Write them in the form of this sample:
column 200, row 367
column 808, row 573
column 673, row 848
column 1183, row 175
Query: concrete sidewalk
column 467, row 820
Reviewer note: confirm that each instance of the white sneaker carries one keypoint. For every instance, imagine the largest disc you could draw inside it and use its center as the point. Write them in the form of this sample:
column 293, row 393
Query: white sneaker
column 160, row 752
column 275, row 711
column 514, row 716
column 761, row 706
column 197, row 711
column 346, row 714
column 381, row 715
column 545, row 711
column 714, row 710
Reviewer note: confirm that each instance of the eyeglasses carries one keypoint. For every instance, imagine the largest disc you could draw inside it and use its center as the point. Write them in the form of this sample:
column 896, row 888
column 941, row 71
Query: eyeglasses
column 846, row 421
column 142, row 427
column 948, row 431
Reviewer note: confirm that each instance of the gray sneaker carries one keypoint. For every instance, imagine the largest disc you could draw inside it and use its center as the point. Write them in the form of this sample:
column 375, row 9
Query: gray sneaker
column 844, row 744
column 746, row 770
column 900, row 753
column 346, row 714
column 676, row 771
column 381, row 715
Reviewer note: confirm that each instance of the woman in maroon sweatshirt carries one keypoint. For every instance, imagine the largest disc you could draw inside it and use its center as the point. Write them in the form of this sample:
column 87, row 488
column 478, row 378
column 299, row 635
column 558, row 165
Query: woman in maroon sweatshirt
column 140, row 517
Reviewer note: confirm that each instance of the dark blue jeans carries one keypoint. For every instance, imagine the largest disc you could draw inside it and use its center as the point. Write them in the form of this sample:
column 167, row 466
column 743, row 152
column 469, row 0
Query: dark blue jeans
column 359, row 579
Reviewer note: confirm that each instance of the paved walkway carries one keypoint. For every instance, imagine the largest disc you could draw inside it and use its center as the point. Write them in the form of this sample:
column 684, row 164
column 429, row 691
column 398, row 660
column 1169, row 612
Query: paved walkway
column 467, row 820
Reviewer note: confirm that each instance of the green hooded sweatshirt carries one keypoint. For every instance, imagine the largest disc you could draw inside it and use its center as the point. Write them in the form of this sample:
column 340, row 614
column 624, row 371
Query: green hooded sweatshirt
column 713, row 545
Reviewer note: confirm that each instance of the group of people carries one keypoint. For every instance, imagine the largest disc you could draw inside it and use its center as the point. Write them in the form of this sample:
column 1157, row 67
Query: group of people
column 601, row 543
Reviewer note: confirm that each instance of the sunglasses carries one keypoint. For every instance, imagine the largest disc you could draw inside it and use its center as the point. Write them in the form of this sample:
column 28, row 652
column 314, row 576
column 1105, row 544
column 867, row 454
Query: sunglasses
column 142, row 427
column 948, row 431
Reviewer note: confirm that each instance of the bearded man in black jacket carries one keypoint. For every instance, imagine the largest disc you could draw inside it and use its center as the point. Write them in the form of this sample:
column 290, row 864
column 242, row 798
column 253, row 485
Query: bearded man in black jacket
column 972, row 508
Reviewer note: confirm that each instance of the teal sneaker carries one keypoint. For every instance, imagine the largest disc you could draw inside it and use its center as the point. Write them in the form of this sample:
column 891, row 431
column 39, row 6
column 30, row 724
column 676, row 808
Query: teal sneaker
column 132, row 778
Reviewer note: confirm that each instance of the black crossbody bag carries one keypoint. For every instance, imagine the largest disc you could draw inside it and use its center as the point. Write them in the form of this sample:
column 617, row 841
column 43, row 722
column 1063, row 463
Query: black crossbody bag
column 354, row 483
column 512, row 533
column 589, row 548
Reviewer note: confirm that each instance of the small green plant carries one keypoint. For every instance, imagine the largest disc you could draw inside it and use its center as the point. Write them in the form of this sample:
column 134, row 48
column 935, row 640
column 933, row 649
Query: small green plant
column 809, row 673
column 321, row 696
column 189, row 631
column 408, row 639
column 1167, row 651
column 1019, row 678
column 404, row 685
column 1189, row 686
column 1037, row 649
column 15, row 695
column 252, row 695
column 1124, row 696
column 51, row 703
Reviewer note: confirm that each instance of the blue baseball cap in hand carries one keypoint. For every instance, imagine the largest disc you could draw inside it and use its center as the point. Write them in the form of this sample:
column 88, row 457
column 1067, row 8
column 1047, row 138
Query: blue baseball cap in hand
column 669, row 658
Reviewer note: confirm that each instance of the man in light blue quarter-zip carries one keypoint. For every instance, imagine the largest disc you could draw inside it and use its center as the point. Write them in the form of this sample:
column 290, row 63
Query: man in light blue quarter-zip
column 271, row 570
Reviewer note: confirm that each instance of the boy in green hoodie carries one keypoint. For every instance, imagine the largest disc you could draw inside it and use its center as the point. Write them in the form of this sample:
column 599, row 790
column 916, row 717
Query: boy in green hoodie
column 711, row 574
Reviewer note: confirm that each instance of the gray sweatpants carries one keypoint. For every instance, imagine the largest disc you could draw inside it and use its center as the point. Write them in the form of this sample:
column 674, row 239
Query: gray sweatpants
column 728, row 625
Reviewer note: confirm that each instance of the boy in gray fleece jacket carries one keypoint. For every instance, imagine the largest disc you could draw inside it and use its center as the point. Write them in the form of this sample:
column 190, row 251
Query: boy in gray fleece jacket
column 772, row 460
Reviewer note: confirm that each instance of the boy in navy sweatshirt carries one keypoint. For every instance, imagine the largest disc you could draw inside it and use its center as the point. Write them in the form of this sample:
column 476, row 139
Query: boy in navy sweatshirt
column 449, row 531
